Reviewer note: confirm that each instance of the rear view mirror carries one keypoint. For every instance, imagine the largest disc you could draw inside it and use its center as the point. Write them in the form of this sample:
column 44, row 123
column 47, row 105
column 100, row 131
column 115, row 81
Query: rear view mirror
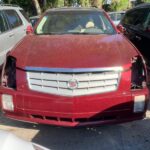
column 121, row 29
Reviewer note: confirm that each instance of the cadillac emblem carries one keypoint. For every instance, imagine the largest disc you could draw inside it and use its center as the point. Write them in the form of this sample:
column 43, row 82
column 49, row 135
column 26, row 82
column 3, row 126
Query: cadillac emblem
column 72, row 84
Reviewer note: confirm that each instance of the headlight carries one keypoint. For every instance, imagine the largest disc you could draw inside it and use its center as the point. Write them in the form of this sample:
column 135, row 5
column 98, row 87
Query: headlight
column 9, row 73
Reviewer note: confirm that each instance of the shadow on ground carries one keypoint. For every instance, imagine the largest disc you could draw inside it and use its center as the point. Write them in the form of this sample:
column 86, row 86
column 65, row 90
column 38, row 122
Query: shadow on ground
column 129, row 136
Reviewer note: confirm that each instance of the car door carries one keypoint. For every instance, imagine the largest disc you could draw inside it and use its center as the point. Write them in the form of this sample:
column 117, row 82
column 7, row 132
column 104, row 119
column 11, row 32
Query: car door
column 134, row 23
column 127, row 23
column 141, row 36
column 6, row 37
column 16, row 24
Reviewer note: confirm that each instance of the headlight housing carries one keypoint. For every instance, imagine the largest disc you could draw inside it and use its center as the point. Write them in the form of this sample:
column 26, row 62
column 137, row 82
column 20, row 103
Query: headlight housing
column 138, row 77
column 9, row 73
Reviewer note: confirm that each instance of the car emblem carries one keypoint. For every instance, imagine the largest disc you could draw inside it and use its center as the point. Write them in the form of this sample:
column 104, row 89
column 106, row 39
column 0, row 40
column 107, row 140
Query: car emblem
column 72, row 84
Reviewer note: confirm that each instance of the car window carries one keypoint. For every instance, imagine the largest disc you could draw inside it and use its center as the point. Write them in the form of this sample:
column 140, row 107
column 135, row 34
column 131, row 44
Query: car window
column 119, row 16
column 129, row 18
column 75, row 22
column 25, row 15
column 147, row 22
column 136, row 18
column 13, row 18
column 140, row 21
column 3, row 24
column 113, row 16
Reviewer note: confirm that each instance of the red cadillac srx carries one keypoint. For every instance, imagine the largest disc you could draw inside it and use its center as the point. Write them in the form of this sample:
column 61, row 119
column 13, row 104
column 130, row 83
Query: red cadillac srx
column 75, row 70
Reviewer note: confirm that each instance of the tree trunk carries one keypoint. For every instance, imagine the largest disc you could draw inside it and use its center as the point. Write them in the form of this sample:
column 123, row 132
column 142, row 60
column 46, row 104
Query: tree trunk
column 44, row 3
column 9, row 1
column 37, row 6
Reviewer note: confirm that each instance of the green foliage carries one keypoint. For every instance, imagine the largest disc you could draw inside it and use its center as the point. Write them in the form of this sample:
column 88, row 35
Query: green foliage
column 147, row 1
column 26, row 4
column 84, row 3
column 116, row 5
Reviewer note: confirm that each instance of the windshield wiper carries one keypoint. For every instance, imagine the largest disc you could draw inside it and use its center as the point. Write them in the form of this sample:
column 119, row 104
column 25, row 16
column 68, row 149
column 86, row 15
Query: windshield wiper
column 51, row 33
column 84, row 33
column 61, row 33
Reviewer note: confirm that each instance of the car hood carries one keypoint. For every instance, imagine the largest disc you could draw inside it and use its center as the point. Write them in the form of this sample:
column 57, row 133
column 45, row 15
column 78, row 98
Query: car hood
column 73, row 51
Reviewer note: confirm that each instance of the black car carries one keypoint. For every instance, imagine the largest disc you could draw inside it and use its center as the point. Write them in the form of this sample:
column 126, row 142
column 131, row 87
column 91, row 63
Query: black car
column 136, row 23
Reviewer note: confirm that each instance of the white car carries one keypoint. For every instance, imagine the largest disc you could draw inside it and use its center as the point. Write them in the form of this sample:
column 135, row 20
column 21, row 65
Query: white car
column 34, row 20
column 8, row 141
column 116, row 16
column 13, row 27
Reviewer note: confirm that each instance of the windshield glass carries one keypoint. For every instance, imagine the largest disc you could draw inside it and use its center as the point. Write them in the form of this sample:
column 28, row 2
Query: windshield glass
column 74, row 22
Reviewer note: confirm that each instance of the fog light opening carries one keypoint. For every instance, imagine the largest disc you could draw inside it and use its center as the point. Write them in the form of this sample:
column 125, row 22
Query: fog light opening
column 7, row 102
column 139, row 103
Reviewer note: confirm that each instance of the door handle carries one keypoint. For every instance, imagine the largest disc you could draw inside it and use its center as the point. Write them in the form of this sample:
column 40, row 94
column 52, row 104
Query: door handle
column 11, row 35
column 138, row 38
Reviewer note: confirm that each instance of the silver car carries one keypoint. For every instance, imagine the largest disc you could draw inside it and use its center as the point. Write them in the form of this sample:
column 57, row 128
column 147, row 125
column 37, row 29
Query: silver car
column 8, row 141
column 13, row 26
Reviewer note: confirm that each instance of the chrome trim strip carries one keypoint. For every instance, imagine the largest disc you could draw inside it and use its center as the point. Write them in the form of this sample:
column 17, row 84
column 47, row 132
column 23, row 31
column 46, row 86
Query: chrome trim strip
column 71, row 70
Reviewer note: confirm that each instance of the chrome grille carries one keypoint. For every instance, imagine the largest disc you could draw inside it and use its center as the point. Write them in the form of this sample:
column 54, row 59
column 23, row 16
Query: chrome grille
column 86, row 82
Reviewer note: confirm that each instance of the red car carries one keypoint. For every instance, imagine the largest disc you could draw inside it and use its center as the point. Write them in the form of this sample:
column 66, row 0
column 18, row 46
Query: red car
column 75, row 70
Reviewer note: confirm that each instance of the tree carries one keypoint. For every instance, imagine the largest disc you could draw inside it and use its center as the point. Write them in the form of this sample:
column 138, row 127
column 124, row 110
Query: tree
column 37, row 6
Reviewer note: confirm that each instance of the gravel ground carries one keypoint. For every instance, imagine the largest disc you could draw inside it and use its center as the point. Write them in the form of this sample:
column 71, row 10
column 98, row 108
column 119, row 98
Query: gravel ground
column 129, row 136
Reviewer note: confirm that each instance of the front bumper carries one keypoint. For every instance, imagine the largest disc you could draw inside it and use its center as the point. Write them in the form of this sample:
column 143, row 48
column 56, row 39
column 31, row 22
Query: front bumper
column 113, row 107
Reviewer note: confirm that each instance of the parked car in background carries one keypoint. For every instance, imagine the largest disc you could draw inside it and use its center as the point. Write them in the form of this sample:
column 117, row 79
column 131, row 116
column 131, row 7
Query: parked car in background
column 75, row 70
column 116, row 16
column 34, row 20
column 13, row 26
column 136, row 23
column 11, row 142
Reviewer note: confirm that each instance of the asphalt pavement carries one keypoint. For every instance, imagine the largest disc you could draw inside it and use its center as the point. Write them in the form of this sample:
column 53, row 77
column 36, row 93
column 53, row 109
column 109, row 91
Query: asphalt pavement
column 129, row 136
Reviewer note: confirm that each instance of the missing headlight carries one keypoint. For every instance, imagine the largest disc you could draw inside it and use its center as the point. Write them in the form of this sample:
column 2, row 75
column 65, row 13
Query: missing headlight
column 138, row 77
column 9, row 73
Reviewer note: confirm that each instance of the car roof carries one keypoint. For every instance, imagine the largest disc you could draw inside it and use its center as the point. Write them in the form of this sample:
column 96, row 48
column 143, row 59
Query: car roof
column 34, row 17
column 74, row 9
column 9, row 6
column 143, row 5
column 116, row 12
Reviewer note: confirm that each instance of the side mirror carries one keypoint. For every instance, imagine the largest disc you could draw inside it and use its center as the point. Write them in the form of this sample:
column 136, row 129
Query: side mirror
column 29, row 29
column 121, row 29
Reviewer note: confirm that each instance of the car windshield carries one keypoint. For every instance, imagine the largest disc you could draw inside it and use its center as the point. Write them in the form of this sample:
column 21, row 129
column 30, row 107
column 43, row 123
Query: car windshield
column 74, row 22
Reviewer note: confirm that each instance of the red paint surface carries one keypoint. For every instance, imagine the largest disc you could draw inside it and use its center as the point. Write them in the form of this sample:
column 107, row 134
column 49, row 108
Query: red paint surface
column 74, row 51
